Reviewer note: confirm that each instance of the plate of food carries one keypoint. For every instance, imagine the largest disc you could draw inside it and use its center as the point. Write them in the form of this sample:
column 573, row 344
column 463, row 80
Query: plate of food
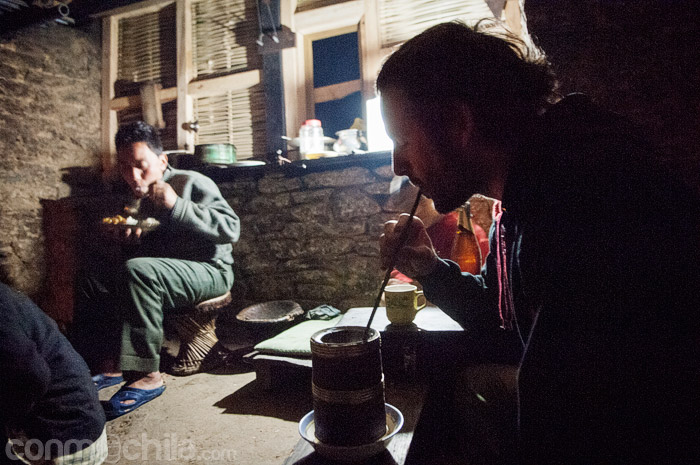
column 129, row 222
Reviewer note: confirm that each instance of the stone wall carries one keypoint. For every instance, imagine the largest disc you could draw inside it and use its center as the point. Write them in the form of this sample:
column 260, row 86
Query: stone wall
column 314, row 238
column 311, row 238
column 49, row 122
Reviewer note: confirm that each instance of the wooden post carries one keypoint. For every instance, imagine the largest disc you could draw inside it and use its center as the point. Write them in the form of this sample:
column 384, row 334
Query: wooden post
column 151, row 107
column 289, row 72
column 513, row 16
column 272, row 83
column 110, row 56
column 371, row 45
column 185, row 103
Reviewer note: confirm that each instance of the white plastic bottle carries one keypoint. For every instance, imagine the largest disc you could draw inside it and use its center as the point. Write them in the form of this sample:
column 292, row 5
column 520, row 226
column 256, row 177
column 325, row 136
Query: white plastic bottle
column 311, row 139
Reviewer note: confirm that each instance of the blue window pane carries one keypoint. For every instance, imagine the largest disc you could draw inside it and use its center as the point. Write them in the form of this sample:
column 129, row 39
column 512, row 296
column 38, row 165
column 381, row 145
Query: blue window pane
column 339, row 114
column 336, row 59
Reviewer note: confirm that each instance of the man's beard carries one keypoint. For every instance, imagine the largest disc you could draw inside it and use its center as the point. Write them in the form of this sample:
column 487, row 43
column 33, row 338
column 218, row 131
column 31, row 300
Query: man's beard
column 457, row 184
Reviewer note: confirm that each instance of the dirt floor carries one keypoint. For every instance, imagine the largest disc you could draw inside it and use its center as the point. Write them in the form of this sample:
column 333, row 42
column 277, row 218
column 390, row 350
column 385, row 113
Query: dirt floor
column 208, row 418
column 225, row 416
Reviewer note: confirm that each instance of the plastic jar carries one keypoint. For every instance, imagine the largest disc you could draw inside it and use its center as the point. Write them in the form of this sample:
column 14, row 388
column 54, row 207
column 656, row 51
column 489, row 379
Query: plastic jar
column 311, row 138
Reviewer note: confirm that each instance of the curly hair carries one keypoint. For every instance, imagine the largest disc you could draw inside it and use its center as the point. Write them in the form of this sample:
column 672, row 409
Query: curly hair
column 503, row 81
column 138, row 131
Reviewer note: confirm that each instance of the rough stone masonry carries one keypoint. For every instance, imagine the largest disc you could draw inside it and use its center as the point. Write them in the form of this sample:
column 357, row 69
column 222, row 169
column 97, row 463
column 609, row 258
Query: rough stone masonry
column 49, row 121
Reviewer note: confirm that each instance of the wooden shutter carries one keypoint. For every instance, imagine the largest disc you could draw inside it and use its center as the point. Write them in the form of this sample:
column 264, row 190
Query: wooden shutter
column 223, row 37
column 233, row 117
column 147, row 51
column 223, row 43
column 399, row 20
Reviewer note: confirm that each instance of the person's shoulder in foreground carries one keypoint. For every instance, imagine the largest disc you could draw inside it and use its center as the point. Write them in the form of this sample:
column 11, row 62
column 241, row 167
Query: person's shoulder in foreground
column 46, row 393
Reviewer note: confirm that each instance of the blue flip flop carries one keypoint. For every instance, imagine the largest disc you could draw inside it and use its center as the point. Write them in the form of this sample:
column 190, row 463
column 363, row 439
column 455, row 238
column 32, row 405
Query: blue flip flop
column 116, row 407
column 103, row 381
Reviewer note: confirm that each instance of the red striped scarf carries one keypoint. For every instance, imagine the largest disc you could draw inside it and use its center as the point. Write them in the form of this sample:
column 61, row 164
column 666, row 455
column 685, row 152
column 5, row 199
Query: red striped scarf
column 506, row 308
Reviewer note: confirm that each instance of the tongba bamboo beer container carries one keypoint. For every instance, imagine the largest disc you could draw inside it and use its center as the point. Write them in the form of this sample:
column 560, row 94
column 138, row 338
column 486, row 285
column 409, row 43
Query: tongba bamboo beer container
column 348, row 386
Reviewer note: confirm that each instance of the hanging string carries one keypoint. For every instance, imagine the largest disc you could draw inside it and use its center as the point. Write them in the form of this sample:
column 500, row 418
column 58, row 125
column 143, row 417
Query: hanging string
column 261, row 34
column 272, row 22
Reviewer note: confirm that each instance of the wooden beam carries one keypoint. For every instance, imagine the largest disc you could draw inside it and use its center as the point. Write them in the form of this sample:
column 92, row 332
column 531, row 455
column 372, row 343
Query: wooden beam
column 130, row 101
column 370, row 49
column 273, row 88
column 151, row 106
column 289, row 71
column 336, row 91
column 308, row 78
column 185, row 105
column 513, row 16
column 204, row 88
column 274, row 105
column 329, row 17
column 110, row 48
column 218, row 85
column 135, row 9
column 301, row 86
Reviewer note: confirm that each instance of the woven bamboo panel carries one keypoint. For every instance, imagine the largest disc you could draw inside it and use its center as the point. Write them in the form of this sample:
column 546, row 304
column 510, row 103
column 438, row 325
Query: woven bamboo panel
column 223, row 36
column 237, row 118
column 147, row 50
column 399, row 20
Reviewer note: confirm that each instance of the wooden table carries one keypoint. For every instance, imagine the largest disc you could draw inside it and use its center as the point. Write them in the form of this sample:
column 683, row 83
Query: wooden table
column 430, row 319
column 408, row 354
column 407, row 351
column 416, row 350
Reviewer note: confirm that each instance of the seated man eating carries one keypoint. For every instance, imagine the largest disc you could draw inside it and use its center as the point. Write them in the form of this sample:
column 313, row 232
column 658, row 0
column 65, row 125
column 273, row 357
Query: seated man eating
column 184, row 260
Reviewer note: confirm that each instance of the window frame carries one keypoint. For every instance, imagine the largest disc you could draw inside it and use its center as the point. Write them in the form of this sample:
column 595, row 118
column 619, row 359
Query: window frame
column 186, row 89
column 330, row 92
column 300, row 96
column 310, row 25
column 297, row 82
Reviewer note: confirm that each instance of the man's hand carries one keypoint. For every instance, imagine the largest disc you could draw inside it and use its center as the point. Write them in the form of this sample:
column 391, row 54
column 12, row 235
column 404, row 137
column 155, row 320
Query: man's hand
column 162, row 194
column 417, row 257
column 122, row 235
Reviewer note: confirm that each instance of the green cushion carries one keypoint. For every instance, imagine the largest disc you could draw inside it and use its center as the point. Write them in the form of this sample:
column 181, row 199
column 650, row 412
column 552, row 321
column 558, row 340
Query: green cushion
column 295, row 340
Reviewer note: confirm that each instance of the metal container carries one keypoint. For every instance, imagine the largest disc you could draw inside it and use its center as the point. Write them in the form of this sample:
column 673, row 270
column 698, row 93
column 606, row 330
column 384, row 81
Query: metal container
column 215, row 154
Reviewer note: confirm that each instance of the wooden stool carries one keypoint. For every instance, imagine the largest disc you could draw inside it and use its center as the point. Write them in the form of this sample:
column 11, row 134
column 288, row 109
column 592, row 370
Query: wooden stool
column 195, row 327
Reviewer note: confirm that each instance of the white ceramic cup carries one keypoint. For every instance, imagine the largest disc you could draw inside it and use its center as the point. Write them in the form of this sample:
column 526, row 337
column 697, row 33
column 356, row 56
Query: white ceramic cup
column 402, row 303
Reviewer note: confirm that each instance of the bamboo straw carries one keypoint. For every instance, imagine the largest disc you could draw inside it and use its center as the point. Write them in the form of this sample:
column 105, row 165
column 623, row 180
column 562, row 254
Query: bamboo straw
column 399, row 246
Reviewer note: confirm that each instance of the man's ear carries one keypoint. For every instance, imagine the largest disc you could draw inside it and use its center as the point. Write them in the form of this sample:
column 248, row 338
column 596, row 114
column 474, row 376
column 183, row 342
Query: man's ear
column 163, row 157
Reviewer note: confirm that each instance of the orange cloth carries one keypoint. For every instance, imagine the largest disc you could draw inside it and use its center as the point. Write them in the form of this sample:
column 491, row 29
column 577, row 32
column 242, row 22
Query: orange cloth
column 441, row 234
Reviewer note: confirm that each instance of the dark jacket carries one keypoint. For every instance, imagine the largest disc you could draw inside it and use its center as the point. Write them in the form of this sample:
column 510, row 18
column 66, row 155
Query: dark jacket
column 603, row 257
column 202, row 226
column 45, row 387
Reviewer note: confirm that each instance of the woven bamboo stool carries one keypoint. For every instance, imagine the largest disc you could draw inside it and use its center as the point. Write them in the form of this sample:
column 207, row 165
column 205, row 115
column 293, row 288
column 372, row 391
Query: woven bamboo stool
column 195, row 327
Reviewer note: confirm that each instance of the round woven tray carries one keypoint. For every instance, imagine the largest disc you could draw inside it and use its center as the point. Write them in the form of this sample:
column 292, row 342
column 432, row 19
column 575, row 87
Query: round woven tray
column 270, row 313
